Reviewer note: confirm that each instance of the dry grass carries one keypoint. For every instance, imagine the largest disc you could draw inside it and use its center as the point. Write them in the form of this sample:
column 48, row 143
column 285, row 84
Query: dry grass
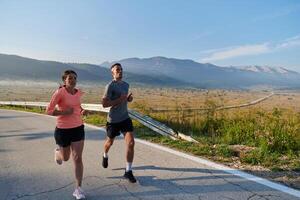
column 154, row 98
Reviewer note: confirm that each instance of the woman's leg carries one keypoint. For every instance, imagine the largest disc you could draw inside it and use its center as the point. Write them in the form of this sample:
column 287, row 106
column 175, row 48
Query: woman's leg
column 64, row 153
column 77, row 148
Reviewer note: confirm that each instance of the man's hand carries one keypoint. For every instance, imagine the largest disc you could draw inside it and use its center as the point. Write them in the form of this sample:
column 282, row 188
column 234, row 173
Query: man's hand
column 119, row 101
column 129, row 97
column 114, row 103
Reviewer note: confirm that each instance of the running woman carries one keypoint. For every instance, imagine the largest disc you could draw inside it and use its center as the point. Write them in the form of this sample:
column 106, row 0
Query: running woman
column 116, row 97
column 69, row 132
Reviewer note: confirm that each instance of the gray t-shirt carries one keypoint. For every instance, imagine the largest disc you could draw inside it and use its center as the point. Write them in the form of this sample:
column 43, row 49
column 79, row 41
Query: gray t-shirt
column 113, row 91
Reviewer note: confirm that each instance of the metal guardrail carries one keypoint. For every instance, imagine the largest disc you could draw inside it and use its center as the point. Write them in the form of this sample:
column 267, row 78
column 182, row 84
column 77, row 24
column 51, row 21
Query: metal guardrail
column 221, row 107
column 145, row 120
column 247, row 104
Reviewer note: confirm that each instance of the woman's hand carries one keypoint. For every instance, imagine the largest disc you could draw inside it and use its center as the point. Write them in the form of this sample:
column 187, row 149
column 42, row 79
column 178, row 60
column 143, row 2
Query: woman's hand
column 68, row 111
column 83, row 112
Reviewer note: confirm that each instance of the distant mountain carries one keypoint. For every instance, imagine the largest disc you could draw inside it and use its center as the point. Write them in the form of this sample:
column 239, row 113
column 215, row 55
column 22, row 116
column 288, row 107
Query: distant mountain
column 21, row 68
column 209, row 75
column 158, row 71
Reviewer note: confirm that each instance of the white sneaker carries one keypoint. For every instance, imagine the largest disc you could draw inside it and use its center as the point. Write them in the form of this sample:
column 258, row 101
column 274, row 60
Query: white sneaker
column 78, row 193
column 56, row 156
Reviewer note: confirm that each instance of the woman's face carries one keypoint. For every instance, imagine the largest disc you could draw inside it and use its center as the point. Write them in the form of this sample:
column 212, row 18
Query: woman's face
column 70, row 80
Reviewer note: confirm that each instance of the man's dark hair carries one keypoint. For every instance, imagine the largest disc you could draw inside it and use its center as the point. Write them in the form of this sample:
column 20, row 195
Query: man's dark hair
column 116, row 64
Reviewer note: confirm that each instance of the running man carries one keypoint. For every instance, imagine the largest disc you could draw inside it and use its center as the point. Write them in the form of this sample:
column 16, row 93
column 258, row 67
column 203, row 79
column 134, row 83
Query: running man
column 69, row 132
column 116, row 97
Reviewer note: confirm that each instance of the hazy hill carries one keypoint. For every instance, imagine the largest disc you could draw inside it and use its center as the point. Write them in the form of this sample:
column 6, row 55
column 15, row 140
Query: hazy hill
column 16, row 67
column 209, row 75
column 21, row 68
column 158, row 71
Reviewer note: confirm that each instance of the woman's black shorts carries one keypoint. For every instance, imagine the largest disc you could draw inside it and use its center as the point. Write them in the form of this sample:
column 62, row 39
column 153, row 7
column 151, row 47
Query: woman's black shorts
column 114, row 129
column 64, row 137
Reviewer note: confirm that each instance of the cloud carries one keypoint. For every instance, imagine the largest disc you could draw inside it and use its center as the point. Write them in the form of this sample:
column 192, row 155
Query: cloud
column 247, row 50
column 232, row 52
column 290, row 42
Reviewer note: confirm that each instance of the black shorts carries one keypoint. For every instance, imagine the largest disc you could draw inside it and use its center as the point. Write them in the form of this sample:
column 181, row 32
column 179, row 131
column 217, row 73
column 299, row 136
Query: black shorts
column 64, row 137
column 114, row 129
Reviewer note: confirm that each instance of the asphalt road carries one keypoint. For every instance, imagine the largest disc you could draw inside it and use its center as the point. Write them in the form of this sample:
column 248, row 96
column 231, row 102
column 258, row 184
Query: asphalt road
column 28, row 170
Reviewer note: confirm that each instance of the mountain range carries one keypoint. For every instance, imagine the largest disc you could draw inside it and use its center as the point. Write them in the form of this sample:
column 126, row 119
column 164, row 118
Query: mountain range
column 14, row 68
column 155, row 71
column 211, row 76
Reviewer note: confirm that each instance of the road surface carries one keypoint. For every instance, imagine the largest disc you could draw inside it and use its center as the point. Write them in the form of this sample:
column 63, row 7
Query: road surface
column 28, row 170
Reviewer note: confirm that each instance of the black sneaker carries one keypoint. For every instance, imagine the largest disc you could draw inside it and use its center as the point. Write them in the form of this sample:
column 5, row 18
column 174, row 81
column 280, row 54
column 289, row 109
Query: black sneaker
column 128, row 175
column 104, row 162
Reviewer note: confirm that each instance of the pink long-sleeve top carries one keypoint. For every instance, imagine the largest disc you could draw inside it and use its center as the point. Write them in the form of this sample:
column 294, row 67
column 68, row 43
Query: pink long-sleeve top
column 64, row 100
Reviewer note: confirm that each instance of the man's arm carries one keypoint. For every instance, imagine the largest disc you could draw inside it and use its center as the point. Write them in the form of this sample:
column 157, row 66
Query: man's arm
column 106, row 102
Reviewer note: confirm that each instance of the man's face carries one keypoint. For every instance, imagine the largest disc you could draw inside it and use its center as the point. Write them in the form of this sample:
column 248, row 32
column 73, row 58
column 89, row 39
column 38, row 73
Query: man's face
column 117, row 72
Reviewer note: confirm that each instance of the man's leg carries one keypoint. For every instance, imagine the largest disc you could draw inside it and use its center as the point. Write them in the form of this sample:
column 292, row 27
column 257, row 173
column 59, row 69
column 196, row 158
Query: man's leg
column 107, row 144
column 129, row 139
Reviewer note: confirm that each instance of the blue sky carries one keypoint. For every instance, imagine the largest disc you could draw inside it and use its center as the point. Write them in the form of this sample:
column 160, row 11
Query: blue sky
column 222, row 32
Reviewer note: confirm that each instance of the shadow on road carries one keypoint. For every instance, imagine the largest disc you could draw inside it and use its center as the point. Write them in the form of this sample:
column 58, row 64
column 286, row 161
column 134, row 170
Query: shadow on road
column 194, row 181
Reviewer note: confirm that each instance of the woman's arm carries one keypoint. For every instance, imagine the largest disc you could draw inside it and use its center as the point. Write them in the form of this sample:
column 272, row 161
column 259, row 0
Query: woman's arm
column 51, row 108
